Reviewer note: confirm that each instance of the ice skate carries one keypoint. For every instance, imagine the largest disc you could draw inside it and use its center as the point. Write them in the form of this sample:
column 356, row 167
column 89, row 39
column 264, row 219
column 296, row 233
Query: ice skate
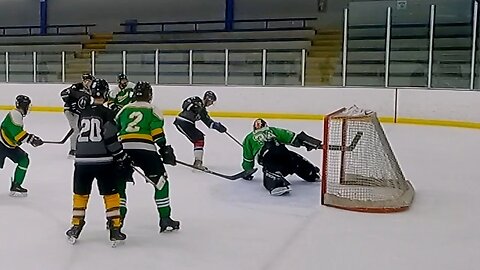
column 71, row 154
column 198, row 164
column 168, row 224
column 279, row 191
column 74, row 232
column 17, row 191
column 117, row 237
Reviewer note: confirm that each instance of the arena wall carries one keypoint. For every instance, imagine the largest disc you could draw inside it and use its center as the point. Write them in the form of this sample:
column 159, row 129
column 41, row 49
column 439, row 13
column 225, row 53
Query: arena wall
column 414, row 106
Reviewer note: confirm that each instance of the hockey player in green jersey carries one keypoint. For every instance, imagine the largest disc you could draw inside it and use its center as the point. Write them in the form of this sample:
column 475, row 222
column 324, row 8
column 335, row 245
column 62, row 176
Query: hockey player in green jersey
column 120, row 95
column 12, row 136
column 141, row 131
column 267, row 145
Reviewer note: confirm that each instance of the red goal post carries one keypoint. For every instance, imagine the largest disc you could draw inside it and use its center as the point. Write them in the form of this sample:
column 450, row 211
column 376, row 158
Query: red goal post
column 359, row 169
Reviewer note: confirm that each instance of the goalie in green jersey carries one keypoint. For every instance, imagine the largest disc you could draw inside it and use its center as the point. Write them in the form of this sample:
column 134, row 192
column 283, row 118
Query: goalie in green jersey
column 267, row 145
column 141, row 132
column 11, row 137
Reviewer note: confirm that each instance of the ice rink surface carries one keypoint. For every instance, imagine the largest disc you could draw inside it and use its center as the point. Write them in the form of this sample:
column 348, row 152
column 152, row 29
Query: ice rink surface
column 237, row 224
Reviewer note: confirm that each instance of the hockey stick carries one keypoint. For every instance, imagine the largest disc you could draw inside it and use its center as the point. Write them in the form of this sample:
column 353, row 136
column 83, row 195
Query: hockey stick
column 143, row 175
column 229, row 177
column 69, row 133
column 233, row 138
column 352, row 145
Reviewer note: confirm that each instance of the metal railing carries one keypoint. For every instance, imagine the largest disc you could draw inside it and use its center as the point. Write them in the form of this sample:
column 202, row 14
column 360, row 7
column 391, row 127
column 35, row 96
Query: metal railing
column 228, row 67
column 273, row 23
column 31, row 30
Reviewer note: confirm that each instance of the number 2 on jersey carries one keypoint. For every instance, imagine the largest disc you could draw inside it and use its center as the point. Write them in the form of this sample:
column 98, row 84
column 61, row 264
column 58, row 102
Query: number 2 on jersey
column 133, row 126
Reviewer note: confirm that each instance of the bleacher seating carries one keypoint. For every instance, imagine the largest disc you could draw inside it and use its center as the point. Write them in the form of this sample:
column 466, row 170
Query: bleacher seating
column 409, row 56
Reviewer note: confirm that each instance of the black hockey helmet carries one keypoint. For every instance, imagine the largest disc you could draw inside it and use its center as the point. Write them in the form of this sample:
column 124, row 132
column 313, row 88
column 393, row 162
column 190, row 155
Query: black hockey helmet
column 209, row 98
column 99, row 88
column 143, row 91
column 122, row 80
column 87, row 79
column 259, row 123
column 87, row 76
column 22, row 103
column 122, row 76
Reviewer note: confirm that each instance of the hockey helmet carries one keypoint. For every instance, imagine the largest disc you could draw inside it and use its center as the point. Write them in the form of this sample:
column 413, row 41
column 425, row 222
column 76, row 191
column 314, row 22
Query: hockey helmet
column 22, row 103
column 87, row 79
column 259, row 123
column 143, row 91
column 122, row 80
column 122, row 76
column 99, row 88
column 209, row 98
column 87, row 76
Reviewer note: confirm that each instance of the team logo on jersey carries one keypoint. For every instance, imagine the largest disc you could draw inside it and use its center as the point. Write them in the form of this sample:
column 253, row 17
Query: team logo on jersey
column 263, row 135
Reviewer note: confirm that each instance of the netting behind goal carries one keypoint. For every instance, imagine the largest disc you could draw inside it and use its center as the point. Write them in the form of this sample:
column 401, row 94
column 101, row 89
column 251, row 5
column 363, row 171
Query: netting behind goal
column 359, row 170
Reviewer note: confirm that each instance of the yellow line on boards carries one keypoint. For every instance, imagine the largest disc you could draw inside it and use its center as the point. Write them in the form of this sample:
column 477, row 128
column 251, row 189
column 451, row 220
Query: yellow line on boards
column 290, row 116
column 433, row 122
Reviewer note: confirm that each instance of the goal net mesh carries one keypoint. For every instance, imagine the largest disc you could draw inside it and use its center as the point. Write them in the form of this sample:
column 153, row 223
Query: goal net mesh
column 360, row 171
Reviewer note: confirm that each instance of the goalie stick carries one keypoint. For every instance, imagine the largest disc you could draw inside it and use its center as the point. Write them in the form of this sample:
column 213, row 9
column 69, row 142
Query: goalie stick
column 69, row 133
column 350, row 147
column 229, row 177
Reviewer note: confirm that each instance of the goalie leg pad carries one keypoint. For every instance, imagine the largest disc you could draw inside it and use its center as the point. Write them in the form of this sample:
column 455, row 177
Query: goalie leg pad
column 276, row 158
column 305, row 169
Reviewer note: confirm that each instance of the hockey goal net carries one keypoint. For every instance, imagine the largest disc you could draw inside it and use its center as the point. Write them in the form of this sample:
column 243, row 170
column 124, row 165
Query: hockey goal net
column 359, row 170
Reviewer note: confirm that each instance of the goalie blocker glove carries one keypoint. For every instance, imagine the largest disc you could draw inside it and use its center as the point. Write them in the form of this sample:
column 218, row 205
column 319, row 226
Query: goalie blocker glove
column 310, row 143
column 168, row 156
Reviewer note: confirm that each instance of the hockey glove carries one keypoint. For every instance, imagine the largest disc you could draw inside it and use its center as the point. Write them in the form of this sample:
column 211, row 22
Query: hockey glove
column 34, row 140
column 248, row 177
column 168, row 156
column 116, row 108
column 74, row 108
column 219, row 127
column 302, row 139
column 123, row 162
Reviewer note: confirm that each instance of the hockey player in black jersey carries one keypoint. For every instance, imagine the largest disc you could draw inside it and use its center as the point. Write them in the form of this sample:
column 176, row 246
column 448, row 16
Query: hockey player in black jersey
column 75, row 98
column 99, row 154
column 194, row 109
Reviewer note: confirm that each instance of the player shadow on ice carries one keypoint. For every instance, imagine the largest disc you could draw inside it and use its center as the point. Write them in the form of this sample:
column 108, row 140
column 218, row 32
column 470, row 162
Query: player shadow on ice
column 303, row 194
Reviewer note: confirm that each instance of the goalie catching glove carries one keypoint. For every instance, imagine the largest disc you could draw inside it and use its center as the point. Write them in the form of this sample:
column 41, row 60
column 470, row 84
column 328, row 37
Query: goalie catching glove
column 310, row 143
column 168, row 156
column 34, row 140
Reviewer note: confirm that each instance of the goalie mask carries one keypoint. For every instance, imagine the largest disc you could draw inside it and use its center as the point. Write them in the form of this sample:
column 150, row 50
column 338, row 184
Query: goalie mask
column 259, row 123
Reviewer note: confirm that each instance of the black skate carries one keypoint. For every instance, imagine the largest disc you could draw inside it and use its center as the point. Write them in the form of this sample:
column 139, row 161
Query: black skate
column 117, row 237
column 17, row 191
column 71, row 154
column 74, row 232
column 168, row 224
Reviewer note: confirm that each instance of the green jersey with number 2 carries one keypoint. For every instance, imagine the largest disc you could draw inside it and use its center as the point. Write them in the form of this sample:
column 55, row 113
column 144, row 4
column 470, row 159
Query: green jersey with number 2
column 141, row 126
